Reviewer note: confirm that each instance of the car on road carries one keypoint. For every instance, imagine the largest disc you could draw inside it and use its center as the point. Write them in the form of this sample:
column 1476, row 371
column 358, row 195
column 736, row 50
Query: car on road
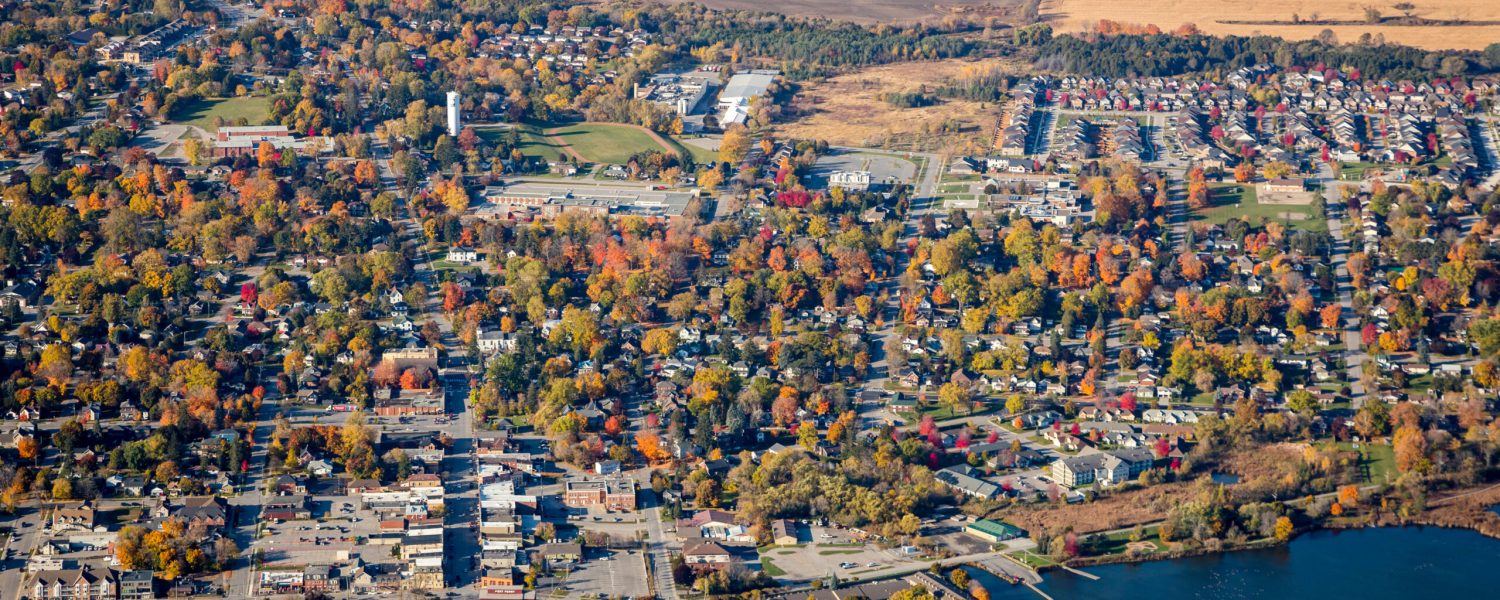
column 847, row 565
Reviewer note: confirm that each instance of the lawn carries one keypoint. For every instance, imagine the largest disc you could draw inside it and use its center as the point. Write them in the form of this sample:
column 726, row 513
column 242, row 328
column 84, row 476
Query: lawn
column 940, row 412
column 1236, row 201
column 770, row 568
column 533, row 143
column 1030, row 560
column 605, row 143
column 1117, row 543
column 201, row 112
column 1378, row 461
column 700, row 155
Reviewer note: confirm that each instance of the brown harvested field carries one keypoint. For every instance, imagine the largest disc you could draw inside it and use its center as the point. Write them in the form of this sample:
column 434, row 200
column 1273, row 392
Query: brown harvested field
column 1078, row 15
column 847, row 110
column 867, row 11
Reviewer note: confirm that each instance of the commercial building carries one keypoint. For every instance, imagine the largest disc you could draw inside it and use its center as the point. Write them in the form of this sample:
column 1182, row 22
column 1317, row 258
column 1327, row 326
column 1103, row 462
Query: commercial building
column 854, row 181
column 734, row 101
column 408, row 402
column 611, row 494
column 234, row 141
column 994, row 532
column 548, row 204
column 1107, row 468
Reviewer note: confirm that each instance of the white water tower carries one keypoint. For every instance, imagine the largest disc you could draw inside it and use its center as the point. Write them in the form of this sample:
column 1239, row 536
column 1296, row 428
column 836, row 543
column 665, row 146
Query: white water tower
column 453, row 124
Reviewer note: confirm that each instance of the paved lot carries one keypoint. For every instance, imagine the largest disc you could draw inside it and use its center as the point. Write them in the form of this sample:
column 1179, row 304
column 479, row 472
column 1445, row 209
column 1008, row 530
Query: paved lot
column 321, row 538
column 812, row 561
column 615, row 574
column 882, row 167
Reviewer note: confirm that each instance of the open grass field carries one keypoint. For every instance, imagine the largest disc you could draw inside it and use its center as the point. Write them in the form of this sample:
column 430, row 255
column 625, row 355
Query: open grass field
column 1355, row 171
column 1378, row 461
column 1233, row 200
column 201, row 112
column 533, row 142
column 847, row 110
column 1119, row 543
column 605, row 142
column 1208, row 15
column 594, row 142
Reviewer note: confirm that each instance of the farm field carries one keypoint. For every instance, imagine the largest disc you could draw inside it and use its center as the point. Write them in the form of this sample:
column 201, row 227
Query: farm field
column 201, row 113
column 1078, row 15
column 1232, row 200
column 868, row 11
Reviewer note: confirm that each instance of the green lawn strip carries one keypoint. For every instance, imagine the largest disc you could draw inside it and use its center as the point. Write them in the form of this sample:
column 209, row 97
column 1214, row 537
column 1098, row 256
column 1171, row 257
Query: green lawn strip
column 770, row 568
column 700, row 155
column 1030, row 560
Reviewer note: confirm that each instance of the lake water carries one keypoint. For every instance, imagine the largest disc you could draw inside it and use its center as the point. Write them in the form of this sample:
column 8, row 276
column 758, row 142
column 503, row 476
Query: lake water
column 1370, row 564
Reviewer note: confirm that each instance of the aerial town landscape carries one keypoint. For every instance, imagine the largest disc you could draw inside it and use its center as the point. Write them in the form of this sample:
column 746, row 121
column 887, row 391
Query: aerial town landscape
column 630, row 299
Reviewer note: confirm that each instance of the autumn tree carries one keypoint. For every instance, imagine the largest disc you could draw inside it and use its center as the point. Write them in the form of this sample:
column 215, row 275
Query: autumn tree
column 1411, row 450
column 735, row 144
column 1244, row 172
column 265, row 155
column 365, row 172
column 1283, row 528
column 955, row 397
column 56, row 364
column 1349, row 495
column 28, row 448
column 649, row 445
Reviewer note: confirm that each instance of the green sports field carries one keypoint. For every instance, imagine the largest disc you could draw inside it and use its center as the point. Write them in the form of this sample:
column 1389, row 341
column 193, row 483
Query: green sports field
column 1236, row 201
column 605, row 143
column 201, row 112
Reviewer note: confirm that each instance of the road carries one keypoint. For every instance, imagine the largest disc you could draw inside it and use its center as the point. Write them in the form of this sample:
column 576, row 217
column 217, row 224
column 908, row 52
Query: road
column 1354, row 354
column 660, row 552
column 26, row 535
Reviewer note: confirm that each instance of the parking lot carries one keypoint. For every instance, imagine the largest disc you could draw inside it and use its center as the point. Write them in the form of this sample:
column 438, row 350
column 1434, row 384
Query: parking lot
column 819, row 559
column 883, row 168
column 321, row 538
column 616, row 574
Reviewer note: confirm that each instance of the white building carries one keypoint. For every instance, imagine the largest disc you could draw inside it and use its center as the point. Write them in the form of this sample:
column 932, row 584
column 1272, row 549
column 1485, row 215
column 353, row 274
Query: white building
column 453, row 121
column 854, row 181
column 734, row 101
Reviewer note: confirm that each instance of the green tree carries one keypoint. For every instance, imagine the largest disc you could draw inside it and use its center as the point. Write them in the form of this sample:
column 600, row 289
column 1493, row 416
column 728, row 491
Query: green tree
column 955, row 397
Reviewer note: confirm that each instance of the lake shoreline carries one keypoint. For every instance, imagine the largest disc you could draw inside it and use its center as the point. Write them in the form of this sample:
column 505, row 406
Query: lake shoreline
column 1399, row 562
column 1468, row 510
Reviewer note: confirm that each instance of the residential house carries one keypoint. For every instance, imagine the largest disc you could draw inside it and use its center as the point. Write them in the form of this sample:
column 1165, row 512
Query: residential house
column 706, row 555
